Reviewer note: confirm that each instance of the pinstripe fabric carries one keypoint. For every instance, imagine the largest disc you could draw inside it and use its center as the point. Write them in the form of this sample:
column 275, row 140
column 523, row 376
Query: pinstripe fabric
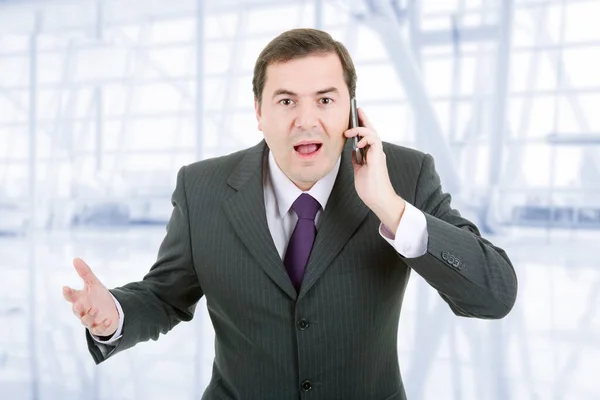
column 218, row 245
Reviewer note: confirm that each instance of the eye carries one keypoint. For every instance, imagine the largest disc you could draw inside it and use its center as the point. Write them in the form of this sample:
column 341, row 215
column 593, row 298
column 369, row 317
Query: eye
column 326, row 100
column 285, row 102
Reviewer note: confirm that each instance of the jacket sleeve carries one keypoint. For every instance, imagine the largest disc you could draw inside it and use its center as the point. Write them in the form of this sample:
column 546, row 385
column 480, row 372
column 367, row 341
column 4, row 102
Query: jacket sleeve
column 472, row 275
column 167, row 294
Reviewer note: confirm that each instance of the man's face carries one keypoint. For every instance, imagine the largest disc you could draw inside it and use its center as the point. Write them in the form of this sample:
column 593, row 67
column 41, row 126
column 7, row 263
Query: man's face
column 304, row 113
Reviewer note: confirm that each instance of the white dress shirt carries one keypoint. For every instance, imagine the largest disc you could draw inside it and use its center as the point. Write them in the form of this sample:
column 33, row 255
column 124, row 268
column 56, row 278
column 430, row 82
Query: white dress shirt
column 410, row 239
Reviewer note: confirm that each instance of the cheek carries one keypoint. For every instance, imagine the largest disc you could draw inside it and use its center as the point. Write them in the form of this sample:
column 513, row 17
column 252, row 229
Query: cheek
column 336, row 133
column 336, row 125
column 276, row 139
column 276, row 125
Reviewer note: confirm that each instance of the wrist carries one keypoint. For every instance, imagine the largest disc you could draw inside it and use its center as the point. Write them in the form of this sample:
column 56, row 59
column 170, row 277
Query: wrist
column 389, row 209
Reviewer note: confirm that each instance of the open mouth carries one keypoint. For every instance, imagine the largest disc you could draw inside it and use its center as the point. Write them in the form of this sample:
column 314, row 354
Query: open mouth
column 308, row 149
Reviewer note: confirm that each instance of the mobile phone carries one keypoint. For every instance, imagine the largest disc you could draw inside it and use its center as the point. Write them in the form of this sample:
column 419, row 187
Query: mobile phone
column 359, row 154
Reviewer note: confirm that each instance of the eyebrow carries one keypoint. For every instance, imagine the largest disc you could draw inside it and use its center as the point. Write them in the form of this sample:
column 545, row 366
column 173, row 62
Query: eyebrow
column 331, row 89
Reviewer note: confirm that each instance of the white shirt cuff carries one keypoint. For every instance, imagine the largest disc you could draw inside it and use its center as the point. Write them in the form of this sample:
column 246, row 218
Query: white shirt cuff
column 411, row 237
column 117, row 335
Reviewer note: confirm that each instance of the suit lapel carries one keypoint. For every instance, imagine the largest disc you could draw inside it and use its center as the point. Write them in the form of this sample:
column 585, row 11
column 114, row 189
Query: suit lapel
column 343, row 214
column 246, row 212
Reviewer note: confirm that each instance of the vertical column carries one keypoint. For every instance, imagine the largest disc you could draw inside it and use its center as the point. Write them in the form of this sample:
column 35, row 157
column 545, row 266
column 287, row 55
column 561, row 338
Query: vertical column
column 200, row 319
column 498, row 110
column 319, row 14
column 98, row 103
column 96, row 378
column 199, row 79
column 498, row 130
column 32, row 336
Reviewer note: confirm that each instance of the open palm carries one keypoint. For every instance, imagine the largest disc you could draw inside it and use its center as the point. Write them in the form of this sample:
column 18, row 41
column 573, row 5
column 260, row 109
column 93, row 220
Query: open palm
column 93, row 305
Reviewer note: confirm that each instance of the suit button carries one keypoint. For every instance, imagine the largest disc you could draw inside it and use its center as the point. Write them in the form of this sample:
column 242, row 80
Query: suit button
column 456, row 263
column 451, row 259
column 302, row 324
column 445, row 256
column 306, row 386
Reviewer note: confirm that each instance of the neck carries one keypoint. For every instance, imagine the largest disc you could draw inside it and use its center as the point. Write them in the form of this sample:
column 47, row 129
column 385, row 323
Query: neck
column 304, row 186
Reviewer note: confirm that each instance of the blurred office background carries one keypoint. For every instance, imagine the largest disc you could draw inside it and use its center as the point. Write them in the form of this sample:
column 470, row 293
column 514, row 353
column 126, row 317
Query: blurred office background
column 102, row 101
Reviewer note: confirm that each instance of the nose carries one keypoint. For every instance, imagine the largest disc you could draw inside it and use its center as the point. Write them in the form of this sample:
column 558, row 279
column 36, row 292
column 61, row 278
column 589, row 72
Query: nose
column 307, row 116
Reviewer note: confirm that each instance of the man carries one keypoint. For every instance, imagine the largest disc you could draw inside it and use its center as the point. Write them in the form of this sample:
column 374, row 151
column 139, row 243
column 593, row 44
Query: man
column 303, row 255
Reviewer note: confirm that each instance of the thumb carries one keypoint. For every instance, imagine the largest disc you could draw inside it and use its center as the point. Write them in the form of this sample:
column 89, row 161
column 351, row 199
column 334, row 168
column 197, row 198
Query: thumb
column 85, row 272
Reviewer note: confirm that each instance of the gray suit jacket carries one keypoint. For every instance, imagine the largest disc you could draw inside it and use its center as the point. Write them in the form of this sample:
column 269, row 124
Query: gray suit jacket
column 336, row 338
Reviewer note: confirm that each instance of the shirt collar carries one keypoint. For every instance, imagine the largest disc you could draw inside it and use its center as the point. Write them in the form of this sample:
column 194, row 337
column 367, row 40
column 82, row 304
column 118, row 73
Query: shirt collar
column 286, row 192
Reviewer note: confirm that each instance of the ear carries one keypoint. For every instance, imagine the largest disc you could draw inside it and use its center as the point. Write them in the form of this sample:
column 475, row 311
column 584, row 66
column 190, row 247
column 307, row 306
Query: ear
column 257, row 112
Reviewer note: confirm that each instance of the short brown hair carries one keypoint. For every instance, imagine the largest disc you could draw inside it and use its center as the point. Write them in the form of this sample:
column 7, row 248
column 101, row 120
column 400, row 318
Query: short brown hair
column 298, row 43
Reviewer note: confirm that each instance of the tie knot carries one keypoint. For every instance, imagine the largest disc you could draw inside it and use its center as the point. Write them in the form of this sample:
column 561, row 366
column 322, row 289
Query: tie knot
column 306, row 206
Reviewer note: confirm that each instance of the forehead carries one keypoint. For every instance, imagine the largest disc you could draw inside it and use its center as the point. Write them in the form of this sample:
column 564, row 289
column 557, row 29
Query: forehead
column 306, row 74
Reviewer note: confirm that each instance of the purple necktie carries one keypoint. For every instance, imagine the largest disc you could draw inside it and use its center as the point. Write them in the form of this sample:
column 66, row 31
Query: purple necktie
column 302, row 239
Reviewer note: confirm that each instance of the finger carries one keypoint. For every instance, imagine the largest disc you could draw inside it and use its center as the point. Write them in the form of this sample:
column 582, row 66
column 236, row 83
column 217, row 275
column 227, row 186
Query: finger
column 368, row 141
column 81, row 307
column 71, row 295
column 77, row 310
column 103, row 325
column 362, row 143
column 86, row 323
column 102, row 328
column 68, row 294
column 85, row 272
column 89, row 319
column 364, row 120
column 360, row 131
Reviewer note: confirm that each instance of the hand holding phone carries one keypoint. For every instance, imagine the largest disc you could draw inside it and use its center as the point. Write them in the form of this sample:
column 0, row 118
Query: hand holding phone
column 360, row 154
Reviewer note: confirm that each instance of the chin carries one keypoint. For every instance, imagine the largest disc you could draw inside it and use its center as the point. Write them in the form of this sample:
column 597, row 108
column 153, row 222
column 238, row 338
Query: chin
column 310, row 178
column 308, row 172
